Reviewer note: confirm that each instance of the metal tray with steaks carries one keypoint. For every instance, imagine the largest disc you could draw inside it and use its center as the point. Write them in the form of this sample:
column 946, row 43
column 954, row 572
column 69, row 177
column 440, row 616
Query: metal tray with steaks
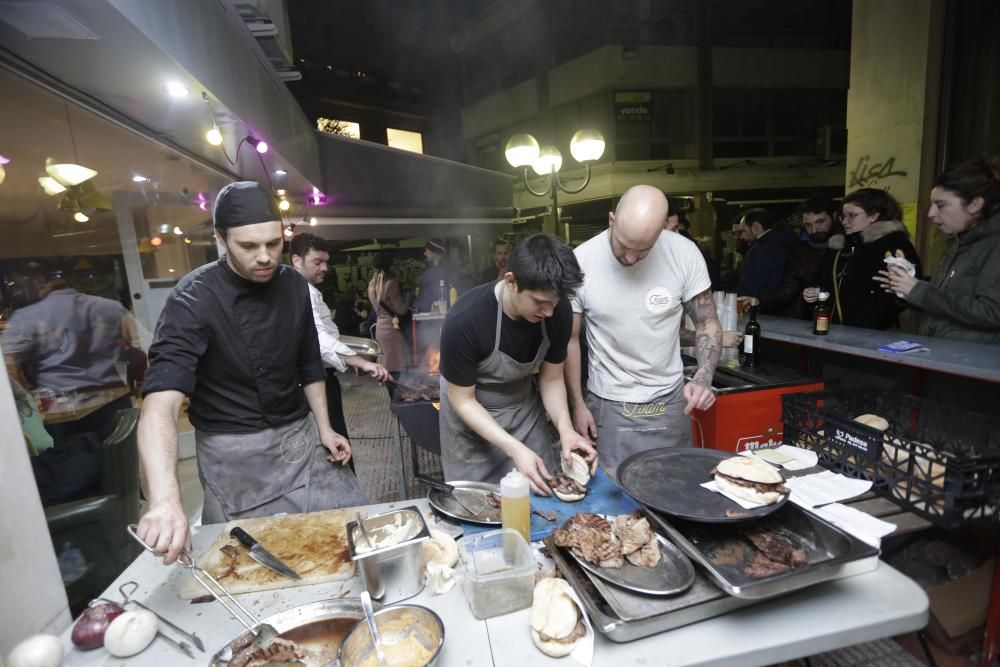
column 731, row 560
column 623, row 616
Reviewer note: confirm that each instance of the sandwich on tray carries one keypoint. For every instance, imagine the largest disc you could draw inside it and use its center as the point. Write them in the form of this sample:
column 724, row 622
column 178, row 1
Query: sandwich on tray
column 570, row 485
column 751, row 479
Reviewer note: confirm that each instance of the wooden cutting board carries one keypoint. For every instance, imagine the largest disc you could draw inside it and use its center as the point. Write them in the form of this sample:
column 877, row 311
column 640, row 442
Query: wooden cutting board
column 313, row 544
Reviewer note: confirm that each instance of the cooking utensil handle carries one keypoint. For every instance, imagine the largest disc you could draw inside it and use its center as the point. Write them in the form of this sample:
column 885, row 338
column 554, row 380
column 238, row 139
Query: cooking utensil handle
column 245, row 538
column 186, row 561
column 434, row 484
column 181, row 631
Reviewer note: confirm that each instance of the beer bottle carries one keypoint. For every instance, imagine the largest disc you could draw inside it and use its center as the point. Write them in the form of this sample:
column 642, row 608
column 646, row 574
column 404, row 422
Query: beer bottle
column 821, row 315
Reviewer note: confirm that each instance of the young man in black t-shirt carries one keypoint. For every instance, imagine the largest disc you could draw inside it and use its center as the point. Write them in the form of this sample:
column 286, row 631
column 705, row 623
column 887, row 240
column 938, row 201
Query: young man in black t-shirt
column 495, row 338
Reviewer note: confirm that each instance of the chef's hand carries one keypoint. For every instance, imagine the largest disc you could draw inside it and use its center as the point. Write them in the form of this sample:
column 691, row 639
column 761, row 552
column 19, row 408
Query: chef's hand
column 340, row 448
column 165, row 529
column 375, row 370
column 698, row 396
column 810, row 294
column 583, row 421
column 571, row 441
column 732, row 338
column 895, row 280
column 531, row 466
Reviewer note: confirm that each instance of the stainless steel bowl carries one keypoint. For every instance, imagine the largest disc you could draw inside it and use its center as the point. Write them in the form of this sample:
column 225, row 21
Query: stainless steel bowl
column 396, row 571
column 396, row 625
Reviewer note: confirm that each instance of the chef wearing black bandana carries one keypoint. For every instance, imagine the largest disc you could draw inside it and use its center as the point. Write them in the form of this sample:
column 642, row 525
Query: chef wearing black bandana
column 237, row 338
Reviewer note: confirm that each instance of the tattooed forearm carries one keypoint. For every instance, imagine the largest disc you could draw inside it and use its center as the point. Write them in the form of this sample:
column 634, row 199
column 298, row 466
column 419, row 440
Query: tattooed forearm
column 708, row 336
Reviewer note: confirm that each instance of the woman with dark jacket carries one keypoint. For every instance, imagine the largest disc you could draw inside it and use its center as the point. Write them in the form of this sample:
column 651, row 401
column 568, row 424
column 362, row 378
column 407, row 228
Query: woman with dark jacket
column 962, row 299
column 873, row 231
column 387, row 301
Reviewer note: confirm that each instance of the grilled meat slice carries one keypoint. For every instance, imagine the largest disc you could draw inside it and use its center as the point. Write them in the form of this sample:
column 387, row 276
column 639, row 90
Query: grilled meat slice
column 759, row 486
column 279, row 651
column 633, row 530
column 647, row 556
column 563, row 484
column 762, row 566
column 493, row 499
column 776, row 547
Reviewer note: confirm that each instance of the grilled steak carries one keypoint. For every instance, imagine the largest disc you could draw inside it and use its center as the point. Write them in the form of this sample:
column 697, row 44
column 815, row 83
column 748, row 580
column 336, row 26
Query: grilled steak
column 648, row 556
column 776, row 547
column 277, row 652
column 762, row 566
column 592, row 538
column 633, row 530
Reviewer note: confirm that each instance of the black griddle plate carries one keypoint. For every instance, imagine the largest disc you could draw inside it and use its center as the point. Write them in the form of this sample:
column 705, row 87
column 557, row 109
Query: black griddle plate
column 669, row 480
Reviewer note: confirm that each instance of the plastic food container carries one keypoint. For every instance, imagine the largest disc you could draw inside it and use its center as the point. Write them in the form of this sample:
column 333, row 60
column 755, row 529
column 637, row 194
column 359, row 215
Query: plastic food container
column 499, row 572
column 394, row 569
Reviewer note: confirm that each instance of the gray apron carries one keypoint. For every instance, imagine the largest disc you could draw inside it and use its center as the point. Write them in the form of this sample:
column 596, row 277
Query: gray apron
column 624, row 429
column 504, row 387
column 281, row 469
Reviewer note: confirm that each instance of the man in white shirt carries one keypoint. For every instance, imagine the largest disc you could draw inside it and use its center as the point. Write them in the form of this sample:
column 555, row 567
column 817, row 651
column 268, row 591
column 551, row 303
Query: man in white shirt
column 311, row 258
column 638, row 284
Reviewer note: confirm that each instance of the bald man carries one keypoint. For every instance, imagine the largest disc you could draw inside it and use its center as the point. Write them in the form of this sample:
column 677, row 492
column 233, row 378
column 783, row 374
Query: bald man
column 638, row 284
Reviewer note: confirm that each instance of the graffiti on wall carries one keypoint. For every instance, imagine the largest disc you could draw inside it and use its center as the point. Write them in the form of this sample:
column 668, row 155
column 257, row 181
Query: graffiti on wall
column 868, row 173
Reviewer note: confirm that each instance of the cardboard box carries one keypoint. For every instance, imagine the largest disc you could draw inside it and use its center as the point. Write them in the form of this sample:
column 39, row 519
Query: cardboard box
column 959, row 608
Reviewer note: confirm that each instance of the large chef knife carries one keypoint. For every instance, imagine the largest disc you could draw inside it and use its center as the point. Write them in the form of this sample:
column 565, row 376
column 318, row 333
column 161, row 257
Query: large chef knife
column 262, row 555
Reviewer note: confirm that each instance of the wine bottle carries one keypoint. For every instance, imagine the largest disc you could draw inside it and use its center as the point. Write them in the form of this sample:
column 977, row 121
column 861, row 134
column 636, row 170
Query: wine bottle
column 751, row 341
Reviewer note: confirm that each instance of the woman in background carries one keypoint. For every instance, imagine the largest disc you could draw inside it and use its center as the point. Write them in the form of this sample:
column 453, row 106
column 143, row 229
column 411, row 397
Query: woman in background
column 873, row 231
column 962, row 299
column 387, row 302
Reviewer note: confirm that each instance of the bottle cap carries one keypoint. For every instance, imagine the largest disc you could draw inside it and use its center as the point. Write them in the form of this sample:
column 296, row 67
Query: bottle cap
column 514, row 483
column 823, row 296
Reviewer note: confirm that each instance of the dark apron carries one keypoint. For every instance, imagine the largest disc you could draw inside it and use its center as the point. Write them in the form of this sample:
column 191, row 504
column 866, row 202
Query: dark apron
column 624, row 429
column 281, row 469
column 504, row 387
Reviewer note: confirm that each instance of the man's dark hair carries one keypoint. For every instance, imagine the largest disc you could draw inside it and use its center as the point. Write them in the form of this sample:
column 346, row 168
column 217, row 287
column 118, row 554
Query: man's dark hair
column 761, row 216
column 302, row 243
column 542, row 262
column 820, row 204
column 499, row 242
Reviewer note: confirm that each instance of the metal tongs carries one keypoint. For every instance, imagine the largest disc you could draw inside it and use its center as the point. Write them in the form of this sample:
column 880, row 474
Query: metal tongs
column 406, row 387
column 263, row 634
column 129, row 588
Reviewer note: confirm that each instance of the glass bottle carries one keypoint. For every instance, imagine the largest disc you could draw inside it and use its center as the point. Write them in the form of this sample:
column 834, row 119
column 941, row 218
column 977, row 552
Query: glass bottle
column 821, row 315
column 443, row 298
column 751, row 341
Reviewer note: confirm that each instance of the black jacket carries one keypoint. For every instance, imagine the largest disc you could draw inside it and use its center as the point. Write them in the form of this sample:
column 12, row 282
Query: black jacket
column 764, row 264
column 847, row 271
column 801, row 271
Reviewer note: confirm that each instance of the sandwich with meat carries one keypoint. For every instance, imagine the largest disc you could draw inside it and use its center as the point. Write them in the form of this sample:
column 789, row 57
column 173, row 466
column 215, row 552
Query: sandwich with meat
column 751, row 479
column 556, row 622
column 570, row 485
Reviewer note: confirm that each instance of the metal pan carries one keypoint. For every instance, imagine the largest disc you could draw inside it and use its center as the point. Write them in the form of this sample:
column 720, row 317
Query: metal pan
column 669, row 480
column 674, row 574
column 446, row 504
column 317, row 630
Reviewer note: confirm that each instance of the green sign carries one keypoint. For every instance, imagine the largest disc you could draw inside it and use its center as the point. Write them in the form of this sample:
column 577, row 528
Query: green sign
column 634, row 106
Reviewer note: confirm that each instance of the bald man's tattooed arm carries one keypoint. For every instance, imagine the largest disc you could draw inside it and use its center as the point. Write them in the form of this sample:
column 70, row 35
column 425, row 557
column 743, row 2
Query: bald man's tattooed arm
column 708, row 336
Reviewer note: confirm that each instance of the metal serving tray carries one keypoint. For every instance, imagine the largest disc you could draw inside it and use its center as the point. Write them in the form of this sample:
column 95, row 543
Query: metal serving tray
column 623, row 616
column 672, row 575
column 366, row 347
column 723, row 553
column 446, row 504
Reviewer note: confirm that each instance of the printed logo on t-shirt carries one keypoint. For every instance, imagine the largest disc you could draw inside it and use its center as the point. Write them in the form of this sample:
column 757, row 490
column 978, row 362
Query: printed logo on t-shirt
column 659, row 300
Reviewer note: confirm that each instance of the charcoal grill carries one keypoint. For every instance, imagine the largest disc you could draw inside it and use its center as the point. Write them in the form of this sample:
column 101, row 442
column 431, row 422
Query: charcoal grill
column 419, row 419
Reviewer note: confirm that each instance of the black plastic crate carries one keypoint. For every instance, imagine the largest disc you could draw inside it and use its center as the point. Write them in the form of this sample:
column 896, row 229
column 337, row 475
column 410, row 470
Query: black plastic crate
column 940, row 461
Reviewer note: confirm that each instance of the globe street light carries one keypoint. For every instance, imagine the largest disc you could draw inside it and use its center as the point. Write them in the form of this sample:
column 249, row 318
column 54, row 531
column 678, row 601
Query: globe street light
column 522, row 150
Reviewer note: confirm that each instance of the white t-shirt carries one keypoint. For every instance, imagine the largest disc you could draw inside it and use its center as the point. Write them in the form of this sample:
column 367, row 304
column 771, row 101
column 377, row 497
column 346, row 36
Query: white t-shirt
column 633, row 315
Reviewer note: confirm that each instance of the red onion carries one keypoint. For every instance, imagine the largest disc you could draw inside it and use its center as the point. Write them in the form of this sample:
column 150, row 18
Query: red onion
column 88, row 631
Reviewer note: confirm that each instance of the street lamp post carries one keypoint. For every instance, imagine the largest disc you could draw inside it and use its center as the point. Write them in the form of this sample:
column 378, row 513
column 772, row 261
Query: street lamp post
column 523, row 151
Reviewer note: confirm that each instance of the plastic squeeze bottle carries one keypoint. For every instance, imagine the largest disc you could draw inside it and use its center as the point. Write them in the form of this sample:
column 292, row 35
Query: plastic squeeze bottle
column 515, row 506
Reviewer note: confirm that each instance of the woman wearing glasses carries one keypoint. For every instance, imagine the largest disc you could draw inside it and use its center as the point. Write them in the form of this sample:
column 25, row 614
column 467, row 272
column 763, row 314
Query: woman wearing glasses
column 873, row 231
column 962, row 299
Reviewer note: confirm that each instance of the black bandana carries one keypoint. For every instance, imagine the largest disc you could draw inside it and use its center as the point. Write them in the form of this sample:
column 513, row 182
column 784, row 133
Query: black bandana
column 244, row 203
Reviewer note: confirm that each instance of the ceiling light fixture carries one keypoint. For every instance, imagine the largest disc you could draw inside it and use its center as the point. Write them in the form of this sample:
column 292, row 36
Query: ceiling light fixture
column 280, row 172
column 51, row 185
column 281, row 192
column 214, row 136
column 313, row 222
column 284, row 205
column 155, row 241
column 3, row 172
column 259, row 144
column 139, row 178
column 178, row 231
column 176, row 89
column 80, row 216
column 187, row 240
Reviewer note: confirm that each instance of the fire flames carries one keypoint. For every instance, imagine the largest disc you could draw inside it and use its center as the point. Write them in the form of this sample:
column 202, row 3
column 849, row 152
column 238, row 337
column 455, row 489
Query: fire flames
column 432, row 360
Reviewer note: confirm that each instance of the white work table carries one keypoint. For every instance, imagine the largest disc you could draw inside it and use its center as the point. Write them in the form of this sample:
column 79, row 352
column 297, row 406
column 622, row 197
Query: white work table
column 850, row 611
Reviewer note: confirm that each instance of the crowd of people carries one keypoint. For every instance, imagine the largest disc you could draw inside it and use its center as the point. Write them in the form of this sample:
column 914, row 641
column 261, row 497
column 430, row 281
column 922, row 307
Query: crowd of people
column 248, row 344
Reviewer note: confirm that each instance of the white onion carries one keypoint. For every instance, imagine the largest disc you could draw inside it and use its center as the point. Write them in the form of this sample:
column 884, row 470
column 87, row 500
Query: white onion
column 130, row 633
column 37, row 651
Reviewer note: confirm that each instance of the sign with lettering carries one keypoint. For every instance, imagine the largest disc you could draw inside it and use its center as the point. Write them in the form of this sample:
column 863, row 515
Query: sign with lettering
column 634, row 106
column 869, row 173
column 872, row 449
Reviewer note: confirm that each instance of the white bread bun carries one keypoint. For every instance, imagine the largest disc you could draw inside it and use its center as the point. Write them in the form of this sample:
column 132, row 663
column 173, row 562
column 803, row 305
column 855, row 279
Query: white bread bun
column 874, row 421
column 751, row 469
column 554, row 614
column 747, row 493
column 569, row 497
column 440, row 549
column 577, row 469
